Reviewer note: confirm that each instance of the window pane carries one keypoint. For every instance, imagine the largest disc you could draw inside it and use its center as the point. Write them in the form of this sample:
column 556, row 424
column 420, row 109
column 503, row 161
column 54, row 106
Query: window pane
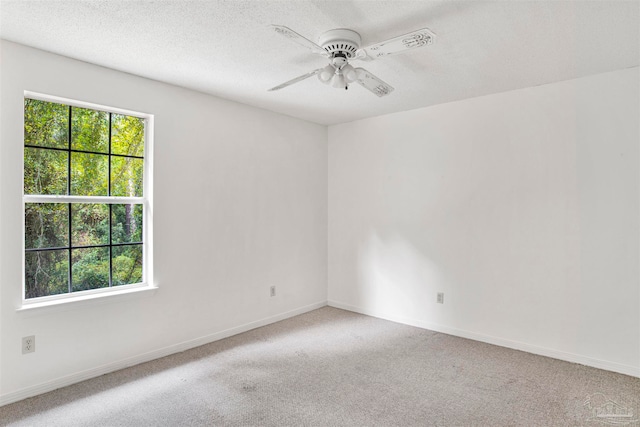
column 89, row 174
column 126, row 223
column 89, row 130
column 127, row 264
column 89, row 224
column 127, row 135
column 46, row 225
column 47, row 273
column 45, row 171
column 46, row 124
column 126, row 176
column 90, row 268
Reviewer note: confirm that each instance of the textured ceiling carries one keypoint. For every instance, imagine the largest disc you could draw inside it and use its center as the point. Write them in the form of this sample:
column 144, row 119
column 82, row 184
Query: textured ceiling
column 227, row 49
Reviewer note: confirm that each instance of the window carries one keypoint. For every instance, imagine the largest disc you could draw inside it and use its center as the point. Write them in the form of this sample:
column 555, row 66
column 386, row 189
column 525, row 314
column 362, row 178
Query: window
column 86, row 203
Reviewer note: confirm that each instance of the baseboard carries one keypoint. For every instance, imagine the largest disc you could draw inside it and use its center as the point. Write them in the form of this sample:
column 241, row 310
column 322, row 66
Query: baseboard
column 45, row 387
column 516, row 345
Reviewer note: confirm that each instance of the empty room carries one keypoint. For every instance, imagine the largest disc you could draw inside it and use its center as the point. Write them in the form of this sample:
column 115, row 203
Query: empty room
column 319, row 213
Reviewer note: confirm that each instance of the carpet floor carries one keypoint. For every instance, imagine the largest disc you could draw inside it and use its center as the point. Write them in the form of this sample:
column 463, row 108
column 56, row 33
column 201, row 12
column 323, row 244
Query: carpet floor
column 331, row 367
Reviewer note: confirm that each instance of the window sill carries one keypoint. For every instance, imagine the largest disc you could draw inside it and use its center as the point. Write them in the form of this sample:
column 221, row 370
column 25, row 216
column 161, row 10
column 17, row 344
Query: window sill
column 82, row 301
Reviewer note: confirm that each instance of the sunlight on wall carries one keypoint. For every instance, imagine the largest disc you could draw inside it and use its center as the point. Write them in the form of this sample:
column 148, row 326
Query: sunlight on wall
column 395, row 277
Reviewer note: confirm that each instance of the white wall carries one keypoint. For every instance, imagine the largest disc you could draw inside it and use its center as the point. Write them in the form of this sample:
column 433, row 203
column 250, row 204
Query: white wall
column 240, row 204
column 522, row 207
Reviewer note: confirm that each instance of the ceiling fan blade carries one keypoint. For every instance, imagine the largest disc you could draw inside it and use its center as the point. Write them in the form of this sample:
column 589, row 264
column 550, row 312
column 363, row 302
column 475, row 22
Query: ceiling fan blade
column 297, row 38
column 372, row 83
column 296, row 80
column 400, row 44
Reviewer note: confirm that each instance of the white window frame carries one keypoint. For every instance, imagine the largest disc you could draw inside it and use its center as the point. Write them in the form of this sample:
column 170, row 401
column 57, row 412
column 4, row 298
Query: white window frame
column 147, row 208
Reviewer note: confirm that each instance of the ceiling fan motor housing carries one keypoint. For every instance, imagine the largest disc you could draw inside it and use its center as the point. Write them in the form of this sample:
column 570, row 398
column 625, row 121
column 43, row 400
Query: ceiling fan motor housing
column 340, row 43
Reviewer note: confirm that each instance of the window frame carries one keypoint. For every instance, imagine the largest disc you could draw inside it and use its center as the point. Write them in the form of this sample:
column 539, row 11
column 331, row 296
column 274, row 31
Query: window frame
column 146, row 201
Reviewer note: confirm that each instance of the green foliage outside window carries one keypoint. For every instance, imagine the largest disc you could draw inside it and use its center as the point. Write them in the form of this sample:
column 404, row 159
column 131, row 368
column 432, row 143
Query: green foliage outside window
column 75, row 246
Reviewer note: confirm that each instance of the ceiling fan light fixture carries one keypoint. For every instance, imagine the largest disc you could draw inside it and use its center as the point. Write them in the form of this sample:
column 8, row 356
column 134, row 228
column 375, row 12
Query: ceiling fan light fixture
column 349, row 73
column 326, row 74
column 338, row 81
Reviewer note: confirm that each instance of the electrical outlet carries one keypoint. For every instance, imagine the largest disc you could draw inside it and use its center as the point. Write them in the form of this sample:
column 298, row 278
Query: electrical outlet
column 272, row 291
column 440, row 298
column 28, row 344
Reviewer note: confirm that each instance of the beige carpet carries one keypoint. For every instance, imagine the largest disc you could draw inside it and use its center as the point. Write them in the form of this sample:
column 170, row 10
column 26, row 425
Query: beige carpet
column 331, row 367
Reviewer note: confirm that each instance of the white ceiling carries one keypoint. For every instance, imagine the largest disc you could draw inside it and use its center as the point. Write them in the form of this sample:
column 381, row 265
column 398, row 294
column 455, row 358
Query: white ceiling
column 226, row 48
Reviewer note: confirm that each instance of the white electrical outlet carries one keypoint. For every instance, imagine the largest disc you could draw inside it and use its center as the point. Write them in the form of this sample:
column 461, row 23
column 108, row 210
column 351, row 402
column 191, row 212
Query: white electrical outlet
column 440, row 298
column 28, row 344
column 272, row 291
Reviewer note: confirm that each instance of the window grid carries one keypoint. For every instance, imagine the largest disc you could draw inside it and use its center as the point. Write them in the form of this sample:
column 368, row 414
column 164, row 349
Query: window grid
column 73, row 150
column 69, row 207
column 110, row 208
column 88, row 199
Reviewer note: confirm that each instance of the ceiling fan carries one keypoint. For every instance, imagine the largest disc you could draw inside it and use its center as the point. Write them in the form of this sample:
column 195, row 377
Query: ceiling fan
column 342, row 45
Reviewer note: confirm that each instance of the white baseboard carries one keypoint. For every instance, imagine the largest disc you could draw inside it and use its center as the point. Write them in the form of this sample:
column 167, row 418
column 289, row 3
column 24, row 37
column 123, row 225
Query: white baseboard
column 45, row 387
column 633, row 371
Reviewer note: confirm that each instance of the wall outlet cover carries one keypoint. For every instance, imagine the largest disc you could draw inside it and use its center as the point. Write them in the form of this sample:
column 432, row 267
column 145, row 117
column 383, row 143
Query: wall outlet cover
column 28, row 344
